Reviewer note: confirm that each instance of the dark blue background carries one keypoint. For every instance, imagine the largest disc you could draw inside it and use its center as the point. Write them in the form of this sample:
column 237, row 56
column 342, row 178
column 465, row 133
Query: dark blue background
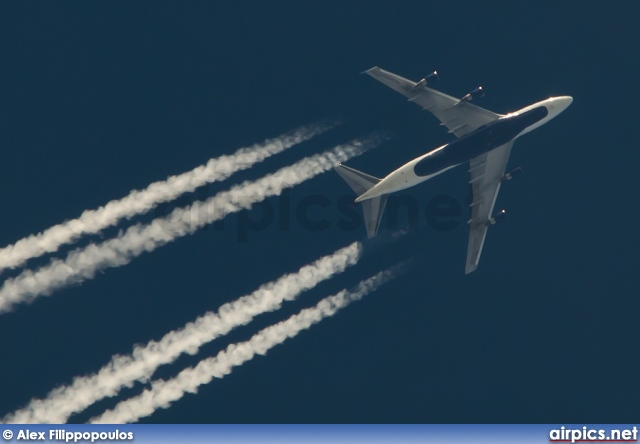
column 97, row 99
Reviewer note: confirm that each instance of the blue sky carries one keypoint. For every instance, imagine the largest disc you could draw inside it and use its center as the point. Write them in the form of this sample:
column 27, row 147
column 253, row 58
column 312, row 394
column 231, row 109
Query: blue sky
column 98, row 99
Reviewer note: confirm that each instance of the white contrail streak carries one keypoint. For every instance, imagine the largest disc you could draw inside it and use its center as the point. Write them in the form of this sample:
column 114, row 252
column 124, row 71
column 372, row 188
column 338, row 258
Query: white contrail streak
column 138, row 202
column 123, row 371
column 83, row 263
column 163, row 393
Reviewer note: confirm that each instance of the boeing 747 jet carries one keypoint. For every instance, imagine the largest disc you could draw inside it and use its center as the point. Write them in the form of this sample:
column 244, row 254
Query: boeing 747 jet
column 484, row 139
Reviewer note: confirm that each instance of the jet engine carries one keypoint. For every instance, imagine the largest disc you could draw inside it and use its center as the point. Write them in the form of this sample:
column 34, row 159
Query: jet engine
column 511, row 174
column 498, row 217
column 433, row 77
column 475, row 94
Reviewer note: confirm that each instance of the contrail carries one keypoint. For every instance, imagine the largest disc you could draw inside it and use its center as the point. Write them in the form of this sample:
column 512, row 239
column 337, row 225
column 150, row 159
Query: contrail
column 83, row 263
column 123, row 371
column 163, row 393
column 138, row 202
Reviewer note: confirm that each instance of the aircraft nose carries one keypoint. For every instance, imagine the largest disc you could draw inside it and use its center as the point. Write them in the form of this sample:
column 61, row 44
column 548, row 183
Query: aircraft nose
column 563, row 103
column 555, row 105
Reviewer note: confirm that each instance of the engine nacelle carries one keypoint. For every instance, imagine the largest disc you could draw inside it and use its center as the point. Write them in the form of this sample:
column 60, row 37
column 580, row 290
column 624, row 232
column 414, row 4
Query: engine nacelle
column 511, row 174
column 475, row 94
column 433, row 77
column 498, row 217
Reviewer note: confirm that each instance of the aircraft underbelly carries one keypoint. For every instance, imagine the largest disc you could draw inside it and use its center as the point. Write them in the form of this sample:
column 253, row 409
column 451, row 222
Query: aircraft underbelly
column 405, row 177
column 481, row 141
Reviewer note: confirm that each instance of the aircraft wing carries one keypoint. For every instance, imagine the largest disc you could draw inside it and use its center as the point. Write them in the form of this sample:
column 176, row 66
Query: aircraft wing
column 487, row 171
column 459, row 116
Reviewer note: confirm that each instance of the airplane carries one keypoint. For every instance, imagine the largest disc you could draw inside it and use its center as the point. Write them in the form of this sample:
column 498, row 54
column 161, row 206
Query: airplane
column 484, row 139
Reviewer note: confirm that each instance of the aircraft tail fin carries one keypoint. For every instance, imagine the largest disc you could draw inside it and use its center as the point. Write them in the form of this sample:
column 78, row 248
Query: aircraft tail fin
column 372, row 208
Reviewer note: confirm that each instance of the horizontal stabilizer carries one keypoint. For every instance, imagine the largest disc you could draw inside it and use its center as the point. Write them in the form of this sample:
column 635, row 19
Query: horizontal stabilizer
column 372, row 208
column 357, row 180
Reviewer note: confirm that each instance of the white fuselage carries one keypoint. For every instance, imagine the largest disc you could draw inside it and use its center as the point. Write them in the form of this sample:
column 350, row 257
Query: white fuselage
column 406, row 177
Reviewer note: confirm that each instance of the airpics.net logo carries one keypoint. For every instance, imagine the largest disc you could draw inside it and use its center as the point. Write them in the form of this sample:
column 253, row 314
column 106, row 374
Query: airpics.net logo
column 316, row 213
column 586, row 434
